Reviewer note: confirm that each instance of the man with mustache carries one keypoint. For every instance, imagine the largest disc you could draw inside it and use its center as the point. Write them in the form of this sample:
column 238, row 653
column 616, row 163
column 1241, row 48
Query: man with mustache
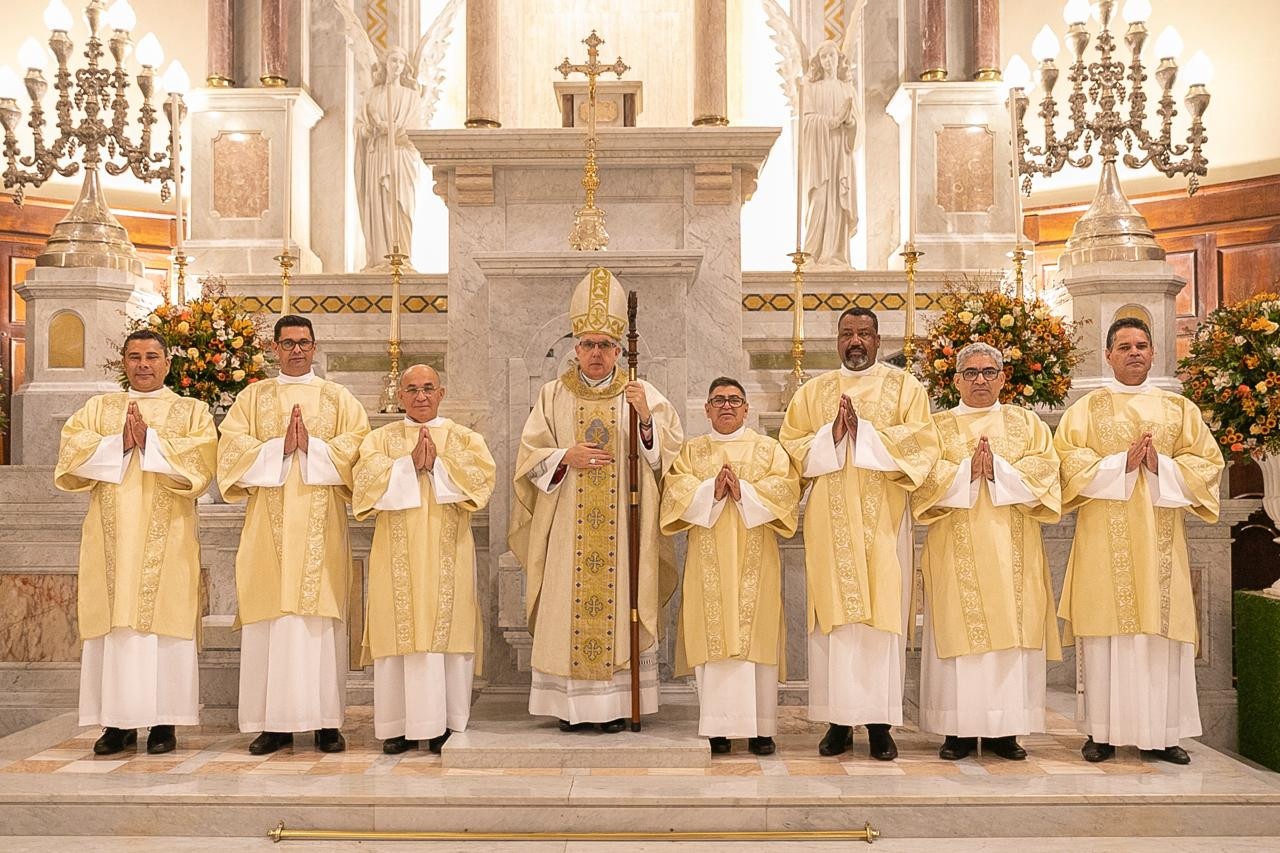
column 568, row 524
column 862, row 436
column 736, row 492
column 1135, row 459
column 989, row 619
column 424, row 476
column 145, row 456
column 288, row 445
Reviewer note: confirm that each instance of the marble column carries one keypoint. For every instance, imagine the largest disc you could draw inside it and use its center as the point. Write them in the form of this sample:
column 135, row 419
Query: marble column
column 275, row 42
column 221, row 56
column 483, row 71
column 933, row 39
column 986, row 40
column 710, row 87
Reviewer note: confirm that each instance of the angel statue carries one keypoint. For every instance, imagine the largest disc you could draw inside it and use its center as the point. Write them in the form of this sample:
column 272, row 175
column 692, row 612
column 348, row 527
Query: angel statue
column 821, row 91
column 400, row 92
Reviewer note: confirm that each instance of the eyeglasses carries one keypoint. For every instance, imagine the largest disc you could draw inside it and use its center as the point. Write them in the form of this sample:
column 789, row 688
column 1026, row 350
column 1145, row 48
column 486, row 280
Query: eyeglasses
column 734, row 402
column 291, row 345
column 414, row 391
column 600, row 345
column 971, row 374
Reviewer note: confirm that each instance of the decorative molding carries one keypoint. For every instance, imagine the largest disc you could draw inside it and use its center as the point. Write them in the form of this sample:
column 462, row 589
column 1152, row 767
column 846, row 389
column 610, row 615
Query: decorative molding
column 840, row 301
column 712, row 183
column 381, row 304
column 473, row 184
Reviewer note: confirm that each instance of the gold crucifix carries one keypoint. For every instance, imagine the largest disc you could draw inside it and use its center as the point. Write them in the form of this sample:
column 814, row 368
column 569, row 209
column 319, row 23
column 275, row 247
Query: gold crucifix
column 588, row 234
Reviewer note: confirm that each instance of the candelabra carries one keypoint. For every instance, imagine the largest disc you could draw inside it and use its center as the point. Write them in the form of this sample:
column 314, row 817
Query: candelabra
column 1112, row 229
column 92, row 123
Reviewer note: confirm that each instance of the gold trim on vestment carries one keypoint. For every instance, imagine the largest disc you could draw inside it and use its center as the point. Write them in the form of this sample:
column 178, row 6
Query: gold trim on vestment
column 595, row 562
column 966, row 567
column 852, row 605
column 309, row 594
column 454, row 444
column 161, row 515
column 113, row 411
column 749, row 587
column 1115, row 437
column 401, row 580
column 709, row 560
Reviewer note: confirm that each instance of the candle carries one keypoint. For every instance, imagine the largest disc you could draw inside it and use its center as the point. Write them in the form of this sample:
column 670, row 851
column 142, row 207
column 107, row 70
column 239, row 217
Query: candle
column 799, row 163
column 395, row 306
column 175, row 141
column 911, row 191
column 288, row 174
column 393, row 166
column 1017, row 191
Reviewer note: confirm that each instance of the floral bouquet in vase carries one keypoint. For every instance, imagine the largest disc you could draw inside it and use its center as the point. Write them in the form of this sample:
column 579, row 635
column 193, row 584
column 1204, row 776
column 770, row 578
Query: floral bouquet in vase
column 1040, row 349
column 215, row 348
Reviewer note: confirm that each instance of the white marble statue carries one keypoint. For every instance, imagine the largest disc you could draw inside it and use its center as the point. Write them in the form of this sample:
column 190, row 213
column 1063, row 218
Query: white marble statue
column 825, row 98
column 399, row 93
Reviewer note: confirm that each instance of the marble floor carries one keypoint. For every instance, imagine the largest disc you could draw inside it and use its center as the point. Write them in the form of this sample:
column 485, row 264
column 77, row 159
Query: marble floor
column 212, row 795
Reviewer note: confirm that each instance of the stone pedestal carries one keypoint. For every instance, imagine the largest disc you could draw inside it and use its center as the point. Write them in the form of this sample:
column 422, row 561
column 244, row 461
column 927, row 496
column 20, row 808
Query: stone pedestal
column 1102, row 291
column 964, row 196
column 251, row 155
column 73, row 317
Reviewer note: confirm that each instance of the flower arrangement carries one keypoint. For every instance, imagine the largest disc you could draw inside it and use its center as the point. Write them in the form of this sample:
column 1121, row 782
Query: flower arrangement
column 215, row 348
column 1040, row 349
column 1233, row 374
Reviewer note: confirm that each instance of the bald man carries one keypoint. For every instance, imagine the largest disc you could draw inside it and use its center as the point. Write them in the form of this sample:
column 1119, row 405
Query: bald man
column 424, row 477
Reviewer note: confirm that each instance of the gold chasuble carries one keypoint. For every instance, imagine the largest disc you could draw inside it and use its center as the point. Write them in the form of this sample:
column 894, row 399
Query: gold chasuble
column 731, row 600
column 294, row 555
column 853, row 516
column 1128, row 572
column 139, row 551
column 985, row 573
column 422, row 575
column 572, row 542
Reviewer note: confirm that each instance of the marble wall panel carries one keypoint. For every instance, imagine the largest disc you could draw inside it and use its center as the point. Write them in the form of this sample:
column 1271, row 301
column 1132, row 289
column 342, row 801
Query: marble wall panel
column 241, row 175
column 38, row 618
column 964, row 175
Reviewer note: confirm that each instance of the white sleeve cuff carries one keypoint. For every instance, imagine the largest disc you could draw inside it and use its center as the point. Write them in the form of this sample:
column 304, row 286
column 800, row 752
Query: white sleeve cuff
column 317, row 466
column 964, row 490
column 270, row 469
column 704, row 510
column 869, row 451
column 1008, row 487
column 542, row 479
column 652, row 455
column 444, row 490
column 108, row 462
column 154, row 460
column 1167, row 486
column 754, row 513
column 1110, row 482
column 823, row 456
column 402, row 489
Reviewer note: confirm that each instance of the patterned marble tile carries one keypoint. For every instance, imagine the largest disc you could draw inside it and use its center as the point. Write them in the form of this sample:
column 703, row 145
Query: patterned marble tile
column 86, row 766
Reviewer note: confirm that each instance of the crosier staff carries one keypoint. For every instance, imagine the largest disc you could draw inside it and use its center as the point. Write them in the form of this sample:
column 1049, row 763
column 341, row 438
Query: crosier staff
column 633, row 514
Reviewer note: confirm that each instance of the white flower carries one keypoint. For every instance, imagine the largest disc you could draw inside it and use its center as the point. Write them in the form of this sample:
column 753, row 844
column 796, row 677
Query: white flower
column 1239, row 339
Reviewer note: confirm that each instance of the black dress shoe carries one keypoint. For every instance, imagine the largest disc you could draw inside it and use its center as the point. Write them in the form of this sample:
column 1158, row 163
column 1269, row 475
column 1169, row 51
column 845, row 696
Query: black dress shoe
column 837, row 739
column 613, row 726
column 882, row 746
column 566, row 726
column 268, row 742
column 115, row 740
column 761, row 745
column 955, row 748
column 330, row 740
column 1006, row 747
column 161, row 740
column 398, row 744
column 1095, row 751
column 435, row 744
column 1172, row 754
column 720, row 745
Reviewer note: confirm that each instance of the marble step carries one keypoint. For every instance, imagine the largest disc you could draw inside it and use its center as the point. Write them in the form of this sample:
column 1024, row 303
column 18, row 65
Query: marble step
column 524, row 743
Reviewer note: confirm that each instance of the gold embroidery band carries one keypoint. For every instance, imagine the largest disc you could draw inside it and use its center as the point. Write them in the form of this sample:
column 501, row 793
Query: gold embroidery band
column 401, row 582
column 161, row 516
column 309, row 596
column 1113, row 438
column 852, row 607
column 749, row 586
column 595, row 563
column 453, row 444
column 112, row 423
column 709, row 562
